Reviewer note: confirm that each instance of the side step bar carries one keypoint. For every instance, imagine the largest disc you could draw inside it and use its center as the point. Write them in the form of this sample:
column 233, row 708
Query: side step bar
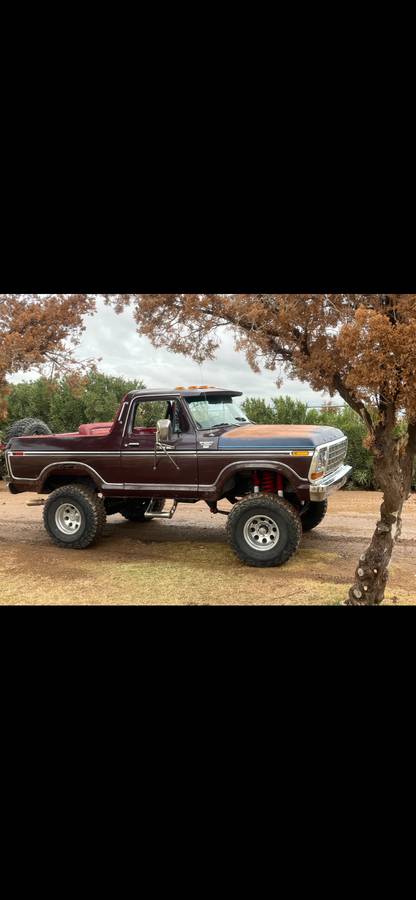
column 161, row 515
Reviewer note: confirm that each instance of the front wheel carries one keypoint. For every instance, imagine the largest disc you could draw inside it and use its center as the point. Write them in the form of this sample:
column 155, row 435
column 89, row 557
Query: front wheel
column 264, row 530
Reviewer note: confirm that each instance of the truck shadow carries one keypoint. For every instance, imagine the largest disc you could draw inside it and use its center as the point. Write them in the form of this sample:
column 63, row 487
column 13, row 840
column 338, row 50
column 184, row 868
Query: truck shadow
column 164, row 531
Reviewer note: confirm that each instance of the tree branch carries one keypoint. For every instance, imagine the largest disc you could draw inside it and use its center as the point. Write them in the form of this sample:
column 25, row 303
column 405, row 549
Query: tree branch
column 355, row 404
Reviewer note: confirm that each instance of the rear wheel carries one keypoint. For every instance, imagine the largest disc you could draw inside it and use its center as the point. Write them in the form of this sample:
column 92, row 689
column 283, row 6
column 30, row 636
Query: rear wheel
column 264, row 530
column 74, row 517
column 135, row 510
column 313, row 515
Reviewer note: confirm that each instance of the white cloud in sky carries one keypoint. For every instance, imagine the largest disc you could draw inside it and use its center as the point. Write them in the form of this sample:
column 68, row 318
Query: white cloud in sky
column 114, row 338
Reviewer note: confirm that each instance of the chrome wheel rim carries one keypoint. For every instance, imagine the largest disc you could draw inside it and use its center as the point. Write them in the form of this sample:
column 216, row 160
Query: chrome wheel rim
column 68, row 519
column 261, row 533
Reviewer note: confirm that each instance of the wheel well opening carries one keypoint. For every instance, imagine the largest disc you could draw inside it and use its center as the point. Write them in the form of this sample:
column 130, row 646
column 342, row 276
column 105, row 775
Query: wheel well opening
column 245, row 481
column 53, row 482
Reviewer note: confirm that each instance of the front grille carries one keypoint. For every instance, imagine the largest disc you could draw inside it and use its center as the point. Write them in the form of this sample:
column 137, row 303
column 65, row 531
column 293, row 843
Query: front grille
column 337, row 454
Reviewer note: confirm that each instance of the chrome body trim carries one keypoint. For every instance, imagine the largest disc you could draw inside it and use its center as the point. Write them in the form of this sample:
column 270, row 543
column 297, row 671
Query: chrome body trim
column 120, row 418
column 206, row 454
column 59, row 465
column 61, row 453
column 8, row 466
column 154, row 488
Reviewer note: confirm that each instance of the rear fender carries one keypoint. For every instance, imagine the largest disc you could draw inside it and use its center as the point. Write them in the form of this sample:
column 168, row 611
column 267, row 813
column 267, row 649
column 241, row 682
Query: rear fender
column 72, row 470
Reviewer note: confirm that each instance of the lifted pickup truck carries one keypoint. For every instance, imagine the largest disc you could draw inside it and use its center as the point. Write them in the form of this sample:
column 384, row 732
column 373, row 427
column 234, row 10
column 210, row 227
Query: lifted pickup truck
column 184, row 445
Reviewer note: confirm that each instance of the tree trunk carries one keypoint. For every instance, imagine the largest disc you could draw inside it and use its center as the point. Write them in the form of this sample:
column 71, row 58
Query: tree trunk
column 373, row 569
column 393, row 467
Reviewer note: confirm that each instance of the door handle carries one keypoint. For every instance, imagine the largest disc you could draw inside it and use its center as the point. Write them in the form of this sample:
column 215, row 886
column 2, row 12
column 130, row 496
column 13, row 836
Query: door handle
column 132, row 444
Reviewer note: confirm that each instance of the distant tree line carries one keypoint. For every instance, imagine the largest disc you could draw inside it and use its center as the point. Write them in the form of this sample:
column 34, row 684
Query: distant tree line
column 66, row 403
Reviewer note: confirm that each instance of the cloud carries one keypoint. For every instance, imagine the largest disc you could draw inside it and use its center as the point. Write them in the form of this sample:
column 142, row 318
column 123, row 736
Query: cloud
column 115, row 341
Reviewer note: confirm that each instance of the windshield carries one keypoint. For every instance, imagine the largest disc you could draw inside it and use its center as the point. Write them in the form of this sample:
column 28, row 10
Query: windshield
column 211, row 412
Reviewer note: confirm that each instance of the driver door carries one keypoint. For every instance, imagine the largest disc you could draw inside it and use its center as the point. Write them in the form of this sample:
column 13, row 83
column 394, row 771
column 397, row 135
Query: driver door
column 149, row 471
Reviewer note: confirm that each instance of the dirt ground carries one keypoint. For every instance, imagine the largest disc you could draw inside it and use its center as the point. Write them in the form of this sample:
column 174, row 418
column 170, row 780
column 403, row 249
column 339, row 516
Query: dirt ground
column 187, row 561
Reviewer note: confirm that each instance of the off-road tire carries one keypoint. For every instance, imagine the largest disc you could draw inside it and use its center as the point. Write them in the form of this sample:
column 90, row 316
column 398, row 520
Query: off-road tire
column 313, row 516
column 26, row 428
column 135, row 510
column 275, row 508
column 92, row 511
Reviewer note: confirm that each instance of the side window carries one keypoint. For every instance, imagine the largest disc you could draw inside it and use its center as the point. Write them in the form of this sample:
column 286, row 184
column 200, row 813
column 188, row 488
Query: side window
column 147, row 413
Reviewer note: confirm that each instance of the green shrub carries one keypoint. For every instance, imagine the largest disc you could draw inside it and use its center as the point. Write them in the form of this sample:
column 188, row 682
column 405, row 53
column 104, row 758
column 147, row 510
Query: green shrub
column 66, row 403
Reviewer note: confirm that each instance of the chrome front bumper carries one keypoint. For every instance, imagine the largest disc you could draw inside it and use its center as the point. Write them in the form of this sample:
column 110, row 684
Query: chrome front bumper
column 333, row 482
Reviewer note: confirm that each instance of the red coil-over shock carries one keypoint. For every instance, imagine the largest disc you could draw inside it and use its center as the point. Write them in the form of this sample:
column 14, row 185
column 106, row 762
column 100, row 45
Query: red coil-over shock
column 269, row 483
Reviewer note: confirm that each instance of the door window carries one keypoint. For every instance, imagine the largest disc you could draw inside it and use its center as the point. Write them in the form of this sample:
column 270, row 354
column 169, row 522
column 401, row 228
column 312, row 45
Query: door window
column 147, row 414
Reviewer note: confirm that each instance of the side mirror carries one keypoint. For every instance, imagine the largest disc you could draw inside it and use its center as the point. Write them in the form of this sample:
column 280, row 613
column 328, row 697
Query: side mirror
column 164, row 428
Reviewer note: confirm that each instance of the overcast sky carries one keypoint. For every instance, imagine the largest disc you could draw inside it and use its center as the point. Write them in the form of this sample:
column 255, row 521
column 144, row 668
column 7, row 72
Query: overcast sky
column 123, row 352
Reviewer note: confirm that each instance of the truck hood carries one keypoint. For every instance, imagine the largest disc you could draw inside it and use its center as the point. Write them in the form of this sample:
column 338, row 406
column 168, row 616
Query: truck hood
column 279, row 437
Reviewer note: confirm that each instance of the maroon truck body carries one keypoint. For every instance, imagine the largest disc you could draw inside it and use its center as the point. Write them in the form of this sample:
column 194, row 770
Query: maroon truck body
column 204, row 463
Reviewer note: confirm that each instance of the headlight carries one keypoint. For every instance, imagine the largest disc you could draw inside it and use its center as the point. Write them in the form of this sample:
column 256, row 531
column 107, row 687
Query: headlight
column 319, row 463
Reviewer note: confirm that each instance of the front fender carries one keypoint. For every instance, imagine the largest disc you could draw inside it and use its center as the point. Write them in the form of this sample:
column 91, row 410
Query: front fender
column 295, row 480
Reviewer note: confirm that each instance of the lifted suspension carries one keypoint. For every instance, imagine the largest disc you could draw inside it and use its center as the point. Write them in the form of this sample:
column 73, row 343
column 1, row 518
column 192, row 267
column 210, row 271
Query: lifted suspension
column 268, row 483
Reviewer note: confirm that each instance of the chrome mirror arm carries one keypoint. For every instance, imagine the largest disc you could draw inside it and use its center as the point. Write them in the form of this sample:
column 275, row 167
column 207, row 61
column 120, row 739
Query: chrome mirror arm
column 159, row 446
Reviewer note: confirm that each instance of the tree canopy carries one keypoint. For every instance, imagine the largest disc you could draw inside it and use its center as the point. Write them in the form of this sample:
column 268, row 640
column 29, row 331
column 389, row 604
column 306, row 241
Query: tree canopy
column 37, row 329
column 360, row 345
